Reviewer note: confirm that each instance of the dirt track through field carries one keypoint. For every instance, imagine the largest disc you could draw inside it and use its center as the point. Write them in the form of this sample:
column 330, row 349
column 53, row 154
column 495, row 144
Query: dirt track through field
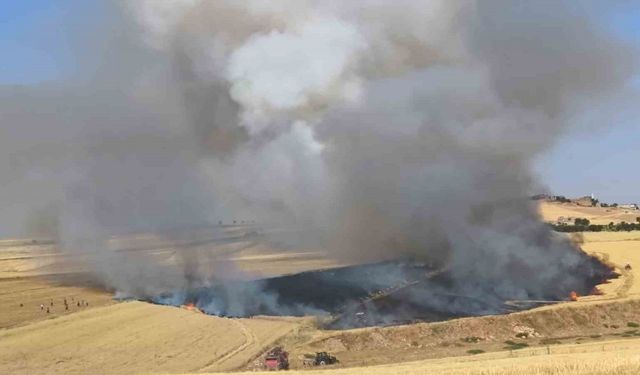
column 41, row 334
column 133, row 337
column 249, row 340
column 617, row 357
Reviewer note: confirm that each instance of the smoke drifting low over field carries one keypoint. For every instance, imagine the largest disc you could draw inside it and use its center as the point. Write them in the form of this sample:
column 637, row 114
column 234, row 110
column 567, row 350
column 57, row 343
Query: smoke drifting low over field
column 380, row 129
column 382, row 293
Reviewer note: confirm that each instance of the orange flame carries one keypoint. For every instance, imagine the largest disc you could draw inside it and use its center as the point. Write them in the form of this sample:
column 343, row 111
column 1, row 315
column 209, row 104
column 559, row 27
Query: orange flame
column 573, row 296
column 192, row 307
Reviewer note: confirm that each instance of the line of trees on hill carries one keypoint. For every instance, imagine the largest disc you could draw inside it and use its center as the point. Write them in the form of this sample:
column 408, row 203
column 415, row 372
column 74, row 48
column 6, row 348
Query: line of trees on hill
column 584, row 225
column 608, row 205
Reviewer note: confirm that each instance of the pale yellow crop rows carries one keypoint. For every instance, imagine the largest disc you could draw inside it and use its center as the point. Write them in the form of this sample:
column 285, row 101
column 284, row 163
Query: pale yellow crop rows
column 132, row 338
column 597, row 215
column 614, row 358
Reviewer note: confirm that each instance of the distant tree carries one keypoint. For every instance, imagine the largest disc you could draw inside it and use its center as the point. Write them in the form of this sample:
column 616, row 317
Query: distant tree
column 614, row 205
column 582, row 222
column 627, row 227
column 584, row 225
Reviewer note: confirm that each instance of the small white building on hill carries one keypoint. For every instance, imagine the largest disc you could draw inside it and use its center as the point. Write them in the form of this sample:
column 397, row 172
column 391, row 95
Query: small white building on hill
column 629, row 206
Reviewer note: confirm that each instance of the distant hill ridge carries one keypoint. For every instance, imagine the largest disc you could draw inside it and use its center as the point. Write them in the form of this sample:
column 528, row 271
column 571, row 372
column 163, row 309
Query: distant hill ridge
column 585, row 201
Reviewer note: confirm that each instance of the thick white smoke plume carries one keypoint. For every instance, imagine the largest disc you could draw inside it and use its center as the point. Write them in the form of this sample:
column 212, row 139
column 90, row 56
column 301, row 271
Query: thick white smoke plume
column 384, row 129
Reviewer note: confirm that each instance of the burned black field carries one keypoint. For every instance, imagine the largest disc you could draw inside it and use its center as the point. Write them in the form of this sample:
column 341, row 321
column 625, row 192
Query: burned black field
column 384, row 293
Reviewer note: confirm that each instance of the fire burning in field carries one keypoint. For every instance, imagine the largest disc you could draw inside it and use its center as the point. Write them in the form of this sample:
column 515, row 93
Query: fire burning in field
column 383, row 293
column 573, row 296
column 191, row 307
column 383, row 130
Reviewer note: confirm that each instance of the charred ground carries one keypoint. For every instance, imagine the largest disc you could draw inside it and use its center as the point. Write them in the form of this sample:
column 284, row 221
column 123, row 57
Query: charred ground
column 384, row 293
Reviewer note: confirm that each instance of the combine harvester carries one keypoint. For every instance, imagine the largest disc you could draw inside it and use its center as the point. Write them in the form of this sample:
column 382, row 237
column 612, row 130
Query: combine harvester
column 276, row 359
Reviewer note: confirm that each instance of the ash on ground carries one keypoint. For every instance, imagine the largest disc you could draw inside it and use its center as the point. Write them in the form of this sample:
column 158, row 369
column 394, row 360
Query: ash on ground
column 384, row 293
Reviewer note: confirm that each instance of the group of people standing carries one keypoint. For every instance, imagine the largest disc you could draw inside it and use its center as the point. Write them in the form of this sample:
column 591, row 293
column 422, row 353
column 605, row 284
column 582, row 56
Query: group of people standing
column 49, row 307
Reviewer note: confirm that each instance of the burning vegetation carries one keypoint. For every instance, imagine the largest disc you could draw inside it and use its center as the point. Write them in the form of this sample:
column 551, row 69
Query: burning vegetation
column 384, row 293
column 383, row 130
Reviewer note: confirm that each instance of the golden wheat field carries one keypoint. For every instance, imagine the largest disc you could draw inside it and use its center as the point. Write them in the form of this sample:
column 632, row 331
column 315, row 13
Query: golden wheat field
column 135, row 337
column 578, row 357
column 608, row 358
column 53, row 322
column 552, row 211
column 110, row 337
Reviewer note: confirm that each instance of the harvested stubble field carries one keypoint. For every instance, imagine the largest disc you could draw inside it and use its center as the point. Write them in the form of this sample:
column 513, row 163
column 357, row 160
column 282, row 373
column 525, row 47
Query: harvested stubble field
column 102, row 336
column 590, row 336
column 135, row 337
column 551, row 211
column 615, row 362
column 595, row 318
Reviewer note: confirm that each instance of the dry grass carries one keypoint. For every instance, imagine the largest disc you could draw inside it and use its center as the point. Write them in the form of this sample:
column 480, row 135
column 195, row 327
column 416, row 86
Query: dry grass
column 122, row 338
column 32, row 292
column 618, row 249
column 597, row 215
column 612, row 358
column 256, row 258
column 610, row 236
column 590, row 316
column 132, row 338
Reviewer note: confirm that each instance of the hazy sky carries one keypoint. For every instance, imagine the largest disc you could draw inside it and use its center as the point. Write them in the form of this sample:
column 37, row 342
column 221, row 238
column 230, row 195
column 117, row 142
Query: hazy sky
column 38, row 39
column 602, row 162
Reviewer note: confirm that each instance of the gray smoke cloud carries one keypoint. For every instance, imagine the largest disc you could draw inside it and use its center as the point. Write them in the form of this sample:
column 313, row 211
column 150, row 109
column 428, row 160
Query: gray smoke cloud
column 383, row 129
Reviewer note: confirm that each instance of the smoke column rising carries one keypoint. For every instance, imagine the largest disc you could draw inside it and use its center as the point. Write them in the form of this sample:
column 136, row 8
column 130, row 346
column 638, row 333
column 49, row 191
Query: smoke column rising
column 384, row 129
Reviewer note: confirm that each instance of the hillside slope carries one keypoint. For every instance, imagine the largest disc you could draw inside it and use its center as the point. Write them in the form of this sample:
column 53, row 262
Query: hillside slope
column 132, row 338
column 552, row 211
column 619, row 357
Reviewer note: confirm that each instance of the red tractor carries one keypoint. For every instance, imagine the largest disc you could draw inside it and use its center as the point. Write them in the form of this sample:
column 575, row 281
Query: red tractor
column 276, row 359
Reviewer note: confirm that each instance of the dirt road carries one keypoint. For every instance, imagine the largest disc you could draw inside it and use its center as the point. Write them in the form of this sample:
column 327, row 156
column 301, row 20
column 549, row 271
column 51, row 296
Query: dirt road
column 132, row 338
column 618, row 357
column 135, row 337
column 592, row 318
column 92, row 333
